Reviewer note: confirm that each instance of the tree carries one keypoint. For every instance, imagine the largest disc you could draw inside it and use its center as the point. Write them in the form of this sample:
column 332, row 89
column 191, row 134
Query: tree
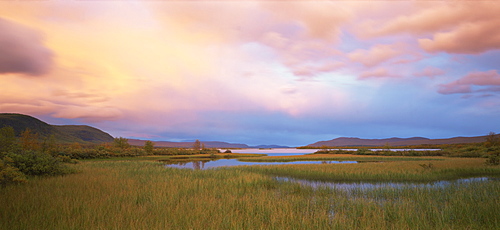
column 121, row 142
column 29, row 140
column 7, row 139
column 197, row 145
column 149, row 146
column 49, row 145
column 492, row 140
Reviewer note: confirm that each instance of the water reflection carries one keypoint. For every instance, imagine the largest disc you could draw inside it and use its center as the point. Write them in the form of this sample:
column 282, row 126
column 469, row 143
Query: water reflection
column 294, row 151
column 376, row 185
column 205, row 164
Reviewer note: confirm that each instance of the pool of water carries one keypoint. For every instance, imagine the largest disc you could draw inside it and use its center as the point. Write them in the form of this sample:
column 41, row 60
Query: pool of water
column 234, row 162
column 275, row 152
column 376, row 185
column 295, row 152
column 205, row 164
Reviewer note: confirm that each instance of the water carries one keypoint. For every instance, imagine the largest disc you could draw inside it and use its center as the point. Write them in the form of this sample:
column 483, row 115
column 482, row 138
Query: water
column 295, row 152
column 276, row 152
column 269, row 152
column 234, row 162
column 375, row 185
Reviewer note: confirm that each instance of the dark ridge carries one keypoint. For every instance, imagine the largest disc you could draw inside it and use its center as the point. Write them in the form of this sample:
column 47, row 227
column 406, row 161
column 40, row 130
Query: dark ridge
column 62, row 133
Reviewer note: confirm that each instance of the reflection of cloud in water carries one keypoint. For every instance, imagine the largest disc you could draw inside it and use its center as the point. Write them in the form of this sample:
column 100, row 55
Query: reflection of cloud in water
column 377, row 185
column 234, row 162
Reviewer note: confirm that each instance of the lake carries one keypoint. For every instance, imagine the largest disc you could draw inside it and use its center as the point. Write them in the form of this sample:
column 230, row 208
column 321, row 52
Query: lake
column 205, row 164
column 234, row 162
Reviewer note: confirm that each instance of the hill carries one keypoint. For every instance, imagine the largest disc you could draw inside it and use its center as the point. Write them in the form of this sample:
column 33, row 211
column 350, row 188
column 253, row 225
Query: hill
column 352, row 141
column 208, row 144
column 62, row 133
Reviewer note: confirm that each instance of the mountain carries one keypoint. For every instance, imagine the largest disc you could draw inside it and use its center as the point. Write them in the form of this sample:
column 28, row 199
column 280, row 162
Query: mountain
column 353, row 141
column 208, row 144
column 62, row 133
column 269, row 146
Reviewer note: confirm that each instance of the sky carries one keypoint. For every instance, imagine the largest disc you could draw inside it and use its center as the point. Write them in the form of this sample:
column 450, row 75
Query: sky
column 254, row 72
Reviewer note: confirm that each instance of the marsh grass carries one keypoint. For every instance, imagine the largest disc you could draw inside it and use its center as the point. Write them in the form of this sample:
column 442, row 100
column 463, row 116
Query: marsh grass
column 146, row 195
column 442, row 169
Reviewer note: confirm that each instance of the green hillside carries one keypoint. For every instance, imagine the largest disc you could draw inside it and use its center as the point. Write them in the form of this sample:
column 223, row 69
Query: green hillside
column 62, row 133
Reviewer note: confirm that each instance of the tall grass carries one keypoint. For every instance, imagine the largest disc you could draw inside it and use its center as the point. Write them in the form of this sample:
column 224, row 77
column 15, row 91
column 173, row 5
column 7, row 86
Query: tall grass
column 446, row 169
column 146, row 195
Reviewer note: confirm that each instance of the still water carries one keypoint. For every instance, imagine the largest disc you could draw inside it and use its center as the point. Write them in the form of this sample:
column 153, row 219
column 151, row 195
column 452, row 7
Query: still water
column 294, row 151
column 269, row 152
column 234, row 162
column 376, row 185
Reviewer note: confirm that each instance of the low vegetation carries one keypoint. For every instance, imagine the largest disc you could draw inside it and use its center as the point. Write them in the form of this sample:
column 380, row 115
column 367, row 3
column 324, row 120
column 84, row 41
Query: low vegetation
column 146, row 195
column 118, row 186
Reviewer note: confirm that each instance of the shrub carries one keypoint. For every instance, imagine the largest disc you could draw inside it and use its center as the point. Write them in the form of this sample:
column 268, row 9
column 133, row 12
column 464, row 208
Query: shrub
column 36, row 163
column 493, row 160
column 9, row 174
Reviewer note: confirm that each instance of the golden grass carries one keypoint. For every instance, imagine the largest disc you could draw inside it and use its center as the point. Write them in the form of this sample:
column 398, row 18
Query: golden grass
column 146, row 195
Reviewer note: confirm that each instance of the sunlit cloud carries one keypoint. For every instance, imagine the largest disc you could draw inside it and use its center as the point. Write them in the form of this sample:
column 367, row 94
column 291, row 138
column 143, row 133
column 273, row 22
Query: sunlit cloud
column 247, row 71
column 488, row 81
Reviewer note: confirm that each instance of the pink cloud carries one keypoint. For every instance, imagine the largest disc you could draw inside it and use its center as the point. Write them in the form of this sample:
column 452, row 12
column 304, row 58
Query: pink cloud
column 458, row 27
column 313, row 70
column 377, row 73
column 465, row 84
column 88, row 113
column 376, row 54
column 467, row 39
column 22, row 50
column 319, row 21
column 304, row 57
column 430, row 72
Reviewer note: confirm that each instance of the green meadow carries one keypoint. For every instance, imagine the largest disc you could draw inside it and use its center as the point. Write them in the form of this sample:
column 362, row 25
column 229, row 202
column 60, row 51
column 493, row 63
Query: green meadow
column 140, row 193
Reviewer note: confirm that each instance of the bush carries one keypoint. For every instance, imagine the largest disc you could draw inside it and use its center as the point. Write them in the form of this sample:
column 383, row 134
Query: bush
column 493, row 160
column 37, row 163
column 9, row 174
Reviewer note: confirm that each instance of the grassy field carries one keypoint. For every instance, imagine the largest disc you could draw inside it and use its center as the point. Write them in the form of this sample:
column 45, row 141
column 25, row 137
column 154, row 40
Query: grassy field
column 142, row 194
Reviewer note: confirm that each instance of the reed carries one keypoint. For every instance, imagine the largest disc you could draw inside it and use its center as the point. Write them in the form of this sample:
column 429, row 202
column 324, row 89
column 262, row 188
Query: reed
column 442, row 169
column 145, row 195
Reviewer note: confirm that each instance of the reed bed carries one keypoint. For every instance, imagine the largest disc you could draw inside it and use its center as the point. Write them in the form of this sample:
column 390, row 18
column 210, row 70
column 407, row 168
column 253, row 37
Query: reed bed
column 439, row 168
column 146, row 195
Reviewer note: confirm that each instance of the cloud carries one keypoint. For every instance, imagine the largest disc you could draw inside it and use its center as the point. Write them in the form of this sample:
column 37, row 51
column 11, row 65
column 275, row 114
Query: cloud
column 313, row 70
column 490, row 79
column 22, row 50
column 457, row 27
column 466, row 39
column 88, row 113
column 430, row 72
column 377, row 54
column 318, row 21
column 377, row 73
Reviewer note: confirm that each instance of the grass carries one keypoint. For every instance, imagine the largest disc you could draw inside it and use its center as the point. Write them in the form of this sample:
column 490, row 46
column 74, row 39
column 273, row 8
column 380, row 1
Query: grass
column 400, row 170
column 142, row 194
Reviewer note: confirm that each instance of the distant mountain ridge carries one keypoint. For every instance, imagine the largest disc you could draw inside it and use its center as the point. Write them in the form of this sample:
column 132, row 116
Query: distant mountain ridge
column 62, row 133
column 171, row 144
column 354, row 141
